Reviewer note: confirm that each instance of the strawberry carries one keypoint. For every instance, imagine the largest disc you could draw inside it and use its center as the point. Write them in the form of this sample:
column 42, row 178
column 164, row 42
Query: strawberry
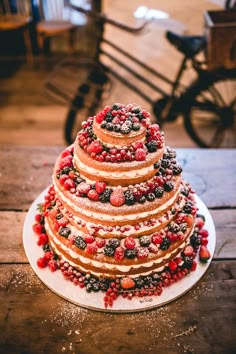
column 140, row 155
column 83, row 188
column 119, row 254
column 127, row 283
column 92, row 194
column 204, row 254
column 100, row 187
column 95, row 147
column 129, row 243
column 89, row 238
column 188, row 251
column 117, row 197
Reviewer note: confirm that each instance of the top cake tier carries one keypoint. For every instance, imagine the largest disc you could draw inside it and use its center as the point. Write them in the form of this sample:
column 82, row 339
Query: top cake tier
column 119, row 146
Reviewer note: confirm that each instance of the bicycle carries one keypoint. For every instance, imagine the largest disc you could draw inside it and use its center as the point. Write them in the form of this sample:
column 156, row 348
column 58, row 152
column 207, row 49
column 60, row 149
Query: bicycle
column 209, row 115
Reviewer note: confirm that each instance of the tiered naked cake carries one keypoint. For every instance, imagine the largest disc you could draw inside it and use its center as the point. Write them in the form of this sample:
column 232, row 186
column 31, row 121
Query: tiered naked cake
column 119, row 211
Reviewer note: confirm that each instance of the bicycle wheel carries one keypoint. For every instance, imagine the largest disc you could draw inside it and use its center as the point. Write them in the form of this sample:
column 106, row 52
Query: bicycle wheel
column 89, row 95
column 210, row 115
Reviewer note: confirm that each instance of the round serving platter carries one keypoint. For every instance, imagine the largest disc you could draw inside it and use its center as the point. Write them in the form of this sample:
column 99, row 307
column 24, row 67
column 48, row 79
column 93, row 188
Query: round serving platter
column 56, row 282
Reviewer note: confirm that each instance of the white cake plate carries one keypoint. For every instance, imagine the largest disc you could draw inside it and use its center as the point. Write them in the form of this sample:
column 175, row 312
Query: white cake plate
column 56, row 282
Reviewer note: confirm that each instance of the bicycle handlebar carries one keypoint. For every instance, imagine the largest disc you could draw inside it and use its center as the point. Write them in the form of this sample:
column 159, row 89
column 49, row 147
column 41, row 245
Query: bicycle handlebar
column 104, row 19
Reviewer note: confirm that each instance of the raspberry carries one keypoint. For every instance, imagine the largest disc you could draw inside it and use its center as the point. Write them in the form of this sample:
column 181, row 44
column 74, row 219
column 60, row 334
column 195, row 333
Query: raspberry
column 38, row 218
column 138, row 145
column 127, row 283
column 142, row 252
column 199, row 222
column 48, row 255
column 42, row 262
column 66, row 161
column 153, row 249
column 204, row 241
column 100, row 187
column 52, row 264
column 95, row 146
column 68, row 184
column 43, row 239
column 204, row 233
column 129, row 243
column 92, row 194
column 38, row 228
column 100, row 242
column 117, row 197
column 83, row 188
column 188, row 251
column 119, row 254
column 65, row 153
column 89, row 238
column 63, row 178
column 194, row 266
column 99, row 117
column 91, row 248
column 140, row 155
column 173, row 266
column 157, row 239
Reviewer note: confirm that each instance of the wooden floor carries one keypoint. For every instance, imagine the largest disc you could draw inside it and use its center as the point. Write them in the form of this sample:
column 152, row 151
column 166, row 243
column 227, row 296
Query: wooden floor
column 29, row 116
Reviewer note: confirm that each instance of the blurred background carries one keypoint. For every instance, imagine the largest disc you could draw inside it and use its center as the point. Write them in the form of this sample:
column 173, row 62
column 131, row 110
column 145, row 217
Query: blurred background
column 47, row 53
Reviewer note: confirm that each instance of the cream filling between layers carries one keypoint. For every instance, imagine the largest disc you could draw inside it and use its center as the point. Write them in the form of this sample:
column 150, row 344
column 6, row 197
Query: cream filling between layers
column 107, row 217
column 131, row 174
column 97, row 264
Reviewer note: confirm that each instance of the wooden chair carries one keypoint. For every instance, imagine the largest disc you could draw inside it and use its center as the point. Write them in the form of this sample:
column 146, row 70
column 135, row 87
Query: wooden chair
column 17, row 19
column 58, row 19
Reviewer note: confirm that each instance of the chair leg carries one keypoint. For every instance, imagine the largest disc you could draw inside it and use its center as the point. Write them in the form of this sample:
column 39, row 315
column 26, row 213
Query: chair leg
column 72, row 34
column 28, row 44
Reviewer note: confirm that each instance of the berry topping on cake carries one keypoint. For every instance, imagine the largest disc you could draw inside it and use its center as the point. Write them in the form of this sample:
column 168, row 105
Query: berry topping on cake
column 117, row 197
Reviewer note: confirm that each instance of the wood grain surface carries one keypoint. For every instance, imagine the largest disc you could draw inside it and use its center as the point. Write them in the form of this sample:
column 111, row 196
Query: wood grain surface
column 35, row 320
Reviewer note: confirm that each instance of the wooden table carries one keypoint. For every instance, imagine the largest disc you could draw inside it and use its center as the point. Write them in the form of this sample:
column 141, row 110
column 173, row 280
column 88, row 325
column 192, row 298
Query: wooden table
column 35, row 320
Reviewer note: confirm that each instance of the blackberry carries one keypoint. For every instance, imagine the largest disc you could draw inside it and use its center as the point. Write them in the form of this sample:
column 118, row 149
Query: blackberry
column 89, row 287
column 117, row 128
column 130, row 254
column 109, row 117
column 161, row 171
column 183, row 227
column 147, row 280
column 188, row 262
column 104, row 284
column 139, row 282
column 135, row 126
column 103, row 124
column 80, row 243
column 79, row 180
column 136, row 109
column 152, row 146
column 157, row 165
column 168, row 186
column 64, row 231
column 125, row 129
column 201, row 216
column 171, row 153
column 165, row 244
column 173, row 227
column 110, row 127
column 140, row 116
column 156, row 277
column 59, row 216
column 159, row 191
column 188, row 208
column 114, row 242
column 165, row 163
column 105, row 196
column 128, row 123
column 142, row 200
column 116, row 106
column 46, row 247
column 109, row 251
column 150, row 197
column 129, row 198
column 185, row 191
column 144, row 241
column 195, row 240
column 66, row 170
column 177, row 170
column 96, row 287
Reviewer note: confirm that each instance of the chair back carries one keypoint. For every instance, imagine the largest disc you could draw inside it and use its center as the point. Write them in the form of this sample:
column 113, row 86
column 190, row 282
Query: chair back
column 18, row 7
